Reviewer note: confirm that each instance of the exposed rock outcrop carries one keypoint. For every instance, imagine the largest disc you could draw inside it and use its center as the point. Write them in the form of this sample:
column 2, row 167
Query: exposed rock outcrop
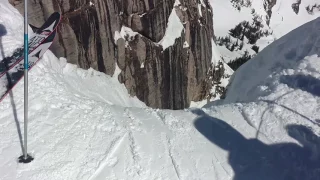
column 162, row 77
column 296, row 6
column 268, row 5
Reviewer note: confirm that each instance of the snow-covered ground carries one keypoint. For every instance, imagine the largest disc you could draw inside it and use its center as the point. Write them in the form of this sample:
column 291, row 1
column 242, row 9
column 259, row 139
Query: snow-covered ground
column 283, row 20
column 284, row 78
column 84, row 125
column 9, row 26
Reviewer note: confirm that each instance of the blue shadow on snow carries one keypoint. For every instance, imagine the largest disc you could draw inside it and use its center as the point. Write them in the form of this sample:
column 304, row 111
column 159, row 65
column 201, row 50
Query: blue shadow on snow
column 3, row 32
column 252, row 159
column 304, row 82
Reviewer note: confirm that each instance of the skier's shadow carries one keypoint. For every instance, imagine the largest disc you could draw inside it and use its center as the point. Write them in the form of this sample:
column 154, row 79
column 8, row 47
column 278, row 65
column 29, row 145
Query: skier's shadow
column 3, row 32
column 252, row 159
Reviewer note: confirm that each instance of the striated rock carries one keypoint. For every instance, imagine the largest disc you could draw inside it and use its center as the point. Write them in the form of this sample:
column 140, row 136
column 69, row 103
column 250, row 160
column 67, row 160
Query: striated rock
column 172, row 77
column 92, row 35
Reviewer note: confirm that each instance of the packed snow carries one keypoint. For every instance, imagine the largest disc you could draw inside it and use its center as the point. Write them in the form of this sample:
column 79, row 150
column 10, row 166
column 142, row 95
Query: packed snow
column 84, row 125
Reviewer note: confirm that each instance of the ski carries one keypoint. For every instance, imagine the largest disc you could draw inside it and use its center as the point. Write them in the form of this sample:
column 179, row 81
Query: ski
column 39, row 36
column 15, row 74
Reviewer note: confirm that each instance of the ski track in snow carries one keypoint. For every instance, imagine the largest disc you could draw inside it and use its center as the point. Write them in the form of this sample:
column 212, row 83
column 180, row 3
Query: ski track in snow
column 173, row 161
column 107, row 160
column 84, row 125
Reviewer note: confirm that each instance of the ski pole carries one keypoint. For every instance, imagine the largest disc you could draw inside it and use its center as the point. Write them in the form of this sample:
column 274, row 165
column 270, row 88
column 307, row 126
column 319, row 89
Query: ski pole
column 26, row 51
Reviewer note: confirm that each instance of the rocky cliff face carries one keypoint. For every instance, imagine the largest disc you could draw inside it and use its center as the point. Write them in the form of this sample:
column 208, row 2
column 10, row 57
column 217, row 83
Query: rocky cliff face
column 130, row 35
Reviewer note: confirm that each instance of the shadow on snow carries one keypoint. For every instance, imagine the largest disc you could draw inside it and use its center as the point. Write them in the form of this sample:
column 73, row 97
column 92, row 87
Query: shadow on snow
column 3, row 32
column 252, row 159
column 304, row 82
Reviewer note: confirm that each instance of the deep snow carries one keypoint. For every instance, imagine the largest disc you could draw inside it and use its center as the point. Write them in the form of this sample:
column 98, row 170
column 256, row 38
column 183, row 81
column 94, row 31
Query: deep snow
column 84, row 125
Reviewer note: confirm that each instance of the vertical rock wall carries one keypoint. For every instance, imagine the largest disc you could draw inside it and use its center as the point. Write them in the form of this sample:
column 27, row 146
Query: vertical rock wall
column 163, row 78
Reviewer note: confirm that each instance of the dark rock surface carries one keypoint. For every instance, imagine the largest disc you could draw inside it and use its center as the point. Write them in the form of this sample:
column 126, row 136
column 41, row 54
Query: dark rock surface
column 163, row 78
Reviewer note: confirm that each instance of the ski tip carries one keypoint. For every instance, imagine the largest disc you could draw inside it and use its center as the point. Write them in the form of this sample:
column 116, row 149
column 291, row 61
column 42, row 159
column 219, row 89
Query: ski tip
column 51, row 23
column 55, row 15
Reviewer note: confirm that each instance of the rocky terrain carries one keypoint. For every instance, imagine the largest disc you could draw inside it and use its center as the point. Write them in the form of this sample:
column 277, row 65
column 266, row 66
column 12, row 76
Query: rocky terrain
column 164, row 52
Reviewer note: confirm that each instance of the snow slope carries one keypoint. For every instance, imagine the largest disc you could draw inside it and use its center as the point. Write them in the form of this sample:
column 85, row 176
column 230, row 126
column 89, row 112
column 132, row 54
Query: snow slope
column 283, row 20
column 75, row 135
column 295, row 54
column 283, row 82
column 78, row 130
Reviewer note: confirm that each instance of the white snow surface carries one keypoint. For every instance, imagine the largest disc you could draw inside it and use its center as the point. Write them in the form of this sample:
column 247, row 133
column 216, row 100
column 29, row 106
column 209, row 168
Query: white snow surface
column 125, row 33
column 295, row 54
column 84, row 125
column 226, row 17
column 216, row 57
column 174, row 29
column 11, row 29
column 281, row 85
column 283, row 20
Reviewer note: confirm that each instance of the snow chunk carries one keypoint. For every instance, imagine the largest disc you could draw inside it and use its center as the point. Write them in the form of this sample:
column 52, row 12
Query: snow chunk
column 126, row 33
column 176, row 3
column 173, row 31
column 186, row 44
